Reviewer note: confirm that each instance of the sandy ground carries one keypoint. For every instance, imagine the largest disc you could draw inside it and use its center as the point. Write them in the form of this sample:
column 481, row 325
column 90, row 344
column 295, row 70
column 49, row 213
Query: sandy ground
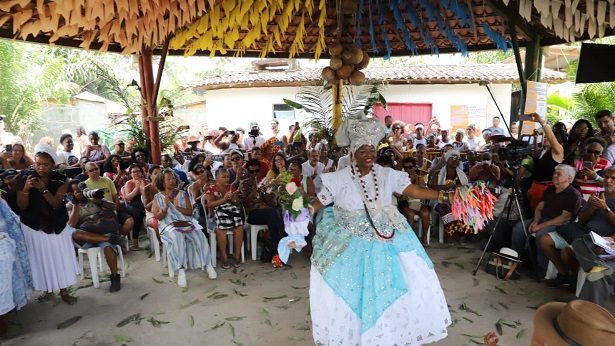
column 257, row 305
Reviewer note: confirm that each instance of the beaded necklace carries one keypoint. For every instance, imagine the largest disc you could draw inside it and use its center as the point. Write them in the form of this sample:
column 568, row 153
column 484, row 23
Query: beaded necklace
column 366, row 197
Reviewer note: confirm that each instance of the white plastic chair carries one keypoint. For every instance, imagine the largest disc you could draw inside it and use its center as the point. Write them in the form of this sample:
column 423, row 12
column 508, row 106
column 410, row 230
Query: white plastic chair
column 154, row 245
column 254, row 229
column 214, row 249
column 95, row 260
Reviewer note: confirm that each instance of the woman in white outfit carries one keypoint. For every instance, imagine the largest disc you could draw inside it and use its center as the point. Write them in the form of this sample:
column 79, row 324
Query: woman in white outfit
column 371, row 282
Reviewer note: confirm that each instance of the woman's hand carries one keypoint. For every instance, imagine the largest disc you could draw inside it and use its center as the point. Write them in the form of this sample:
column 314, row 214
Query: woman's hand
column 37, row 183
column 589, row 173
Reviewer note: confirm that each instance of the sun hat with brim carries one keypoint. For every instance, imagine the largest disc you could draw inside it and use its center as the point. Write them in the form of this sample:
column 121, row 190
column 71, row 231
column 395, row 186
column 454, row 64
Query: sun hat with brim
column 192, row 139
column 509, row 254
column 577, row 323
column 47, row 149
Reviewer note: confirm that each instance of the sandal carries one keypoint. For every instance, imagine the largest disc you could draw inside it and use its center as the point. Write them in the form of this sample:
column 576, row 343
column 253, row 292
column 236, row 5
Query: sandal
column 68, row 299
column 226, row 266
column 135, row 248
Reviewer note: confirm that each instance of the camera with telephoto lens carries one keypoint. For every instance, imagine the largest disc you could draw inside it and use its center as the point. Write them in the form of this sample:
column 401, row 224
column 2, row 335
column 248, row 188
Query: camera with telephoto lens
column 254, row 132
column 515, row 152
column 93, row 193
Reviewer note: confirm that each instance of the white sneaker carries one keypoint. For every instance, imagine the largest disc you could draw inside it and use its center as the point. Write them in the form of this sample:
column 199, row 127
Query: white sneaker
column 181, row 278
column 211, row 272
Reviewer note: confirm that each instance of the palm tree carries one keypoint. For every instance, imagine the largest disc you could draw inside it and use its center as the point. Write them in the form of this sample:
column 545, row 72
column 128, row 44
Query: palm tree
column 318, row 103
column 593, row 98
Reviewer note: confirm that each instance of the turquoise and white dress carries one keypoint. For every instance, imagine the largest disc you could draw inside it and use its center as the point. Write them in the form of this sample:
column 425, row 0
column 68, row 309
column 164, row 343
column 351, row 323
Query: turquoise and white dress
column 364, row 289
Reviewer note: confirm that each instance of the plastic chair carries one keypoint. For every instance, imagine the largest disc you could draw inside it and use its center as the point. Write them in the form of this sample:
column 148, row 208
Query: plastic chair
column 214, row 249
column 95, row 260
column 254, row 229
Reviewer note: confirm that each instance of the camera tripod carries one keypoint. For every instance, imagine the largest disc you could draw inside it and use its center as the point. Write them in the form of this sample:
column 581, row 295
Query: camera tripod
column 513, row 198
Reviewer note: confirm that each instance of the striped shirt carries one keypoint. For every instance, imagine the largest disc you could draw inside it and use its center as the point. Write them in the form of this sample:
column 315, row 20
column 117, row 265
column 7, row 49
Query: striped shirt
column 589, row 187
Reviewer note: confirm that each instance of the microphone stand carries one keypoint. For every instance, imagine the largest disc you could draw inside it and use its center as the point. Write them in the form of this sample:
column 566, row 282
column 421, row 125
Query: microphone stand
column 486, row 85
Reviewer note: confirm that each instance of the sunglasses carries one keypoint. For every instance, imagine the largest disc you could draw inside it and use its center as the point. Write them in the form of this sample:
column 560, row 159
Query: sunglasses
column 93, row 169
column 595, row 152
column 254, row 170
column 235, row 158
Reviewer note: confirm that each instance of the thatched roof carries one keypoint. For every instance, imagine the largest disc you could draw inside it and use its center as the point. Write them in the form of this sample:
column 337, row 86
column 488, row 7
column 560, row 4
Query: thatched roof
column 297, row 28
column 411, row 74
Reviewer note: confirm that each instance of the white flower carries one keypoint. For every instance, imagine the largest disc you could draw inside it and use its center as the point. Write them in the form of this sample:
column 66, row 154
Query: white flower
column 291, row 187
column 297, row 203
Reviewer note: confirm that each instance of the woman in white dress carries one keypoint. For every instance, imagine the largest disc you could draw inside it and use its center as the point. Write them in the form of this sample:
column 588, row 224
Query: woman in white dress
column 43, row 216
column 371, row 282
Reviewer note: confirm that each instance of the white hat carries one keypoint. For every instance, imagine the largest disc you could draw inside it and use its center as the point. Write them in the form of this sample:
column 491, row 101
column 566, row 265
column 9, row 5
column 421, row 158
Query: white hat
column 45, row 148
column 358, row 130
column 419, row 126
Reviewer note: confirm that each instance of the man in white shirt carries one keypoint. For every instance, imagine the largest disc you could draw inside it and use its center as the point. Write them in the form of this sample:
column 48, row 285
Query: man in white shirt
column 313, row 168
column 444, row 140
column 419, row 135
column 473, row 142
column 275, row 132
column 254, row 138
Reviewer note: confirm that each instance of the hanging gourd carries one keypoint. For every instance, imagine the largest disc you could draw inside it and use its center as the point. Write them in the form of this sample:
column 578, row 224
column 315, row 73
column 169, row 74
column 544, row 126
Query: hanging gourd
column 345, row 63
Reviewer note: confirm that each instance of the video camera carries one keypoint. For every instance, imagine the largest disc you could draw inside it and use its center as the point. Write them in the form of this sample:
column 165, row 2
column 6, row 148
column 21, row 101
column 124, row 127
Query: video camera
column 93, row 193
column 515, row 151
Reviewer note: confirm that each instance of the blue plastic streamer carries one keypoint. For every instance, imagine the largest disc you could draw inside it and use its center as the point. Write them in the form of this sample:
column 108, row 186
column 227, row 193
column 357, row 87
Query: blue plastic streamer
column 497, row 38
column 428, row 6
column 372, row 32
column 387, row 43
column 401, row 25
column 358, row 22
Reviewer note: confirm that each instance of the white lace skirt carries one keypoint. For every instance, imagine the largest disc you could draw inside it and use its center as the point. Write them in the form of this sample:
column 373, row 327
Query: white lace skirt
column 52, row 258
column 418, row 317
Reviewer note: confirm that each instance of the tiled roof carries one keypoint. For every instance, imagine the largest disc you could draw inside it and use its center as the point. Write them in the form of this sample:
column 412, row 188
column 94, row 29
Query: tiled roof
column 411, row 74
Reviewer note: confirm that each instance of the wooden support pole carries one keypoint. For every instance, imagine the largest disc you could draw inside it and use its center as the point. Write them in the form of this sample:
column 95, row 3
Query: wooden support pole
column 144, row 120
column 533, row 60
column 148, row 84
column 337, row 90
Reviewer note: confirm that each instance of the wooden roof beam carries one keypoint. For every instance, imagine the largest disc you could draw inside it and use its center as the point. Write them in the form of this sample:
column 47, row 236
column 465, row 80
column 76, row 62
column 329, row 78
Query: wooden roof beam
column 522, row 26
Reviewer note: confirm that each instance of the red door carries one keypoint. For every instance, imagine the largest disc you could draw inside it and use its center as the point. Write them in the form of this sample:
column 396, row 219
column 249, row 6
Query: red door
column 407, row 112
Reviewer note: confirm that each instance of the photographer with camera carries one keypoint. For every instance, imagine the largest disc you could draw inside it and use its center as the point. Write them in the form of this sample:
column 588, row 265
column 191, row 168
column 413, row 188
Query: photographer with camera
column 254, row 138
column 95, row 224
column 39, row 199
column 486, row 171
column 97, row 182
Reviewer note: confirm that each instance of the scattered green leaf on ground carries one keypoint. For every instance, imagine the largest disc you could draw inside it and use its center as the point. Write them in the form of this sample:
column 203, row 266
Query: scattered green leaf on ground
column 467, row 319
column 307, row 307
column 136, row 318
column 500, row 289
column 211, row 289
column 465, row 307
column 184, row 306
column 293, row 275
column 299, row 288
column 302, row 327
column 264, row 311
column 236, row 343
column 235, row 318
column 478, row 342
column 185, row 289
column 282, row 307
column 239, row 293
column 451, row 258
column 473, row 336
column 498, row 326
column 459, row 265
column 219, row 296
column 494, row 307
column 191, row 321
column 475, row 282
column 268, row 322
column 159, row 312
column 508, row 324
column 274, row 298
column 69, row 322
column 122, row 338
column 503, row 305
column 520, row 334
column 445, row 263
column 158, row 281
column 232, row 329
column 237, row 282
column 216, row 326
column 144, row 295
column 294, row 300
column 156, row 322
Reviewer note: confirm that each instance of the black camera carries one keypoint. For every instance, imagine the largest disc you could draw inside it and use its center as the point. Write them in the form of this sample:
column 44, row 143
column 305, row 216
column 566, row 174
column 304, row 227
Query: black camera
column 32, row 173
column 93, row 193
column 515, row 152
column 254, row 132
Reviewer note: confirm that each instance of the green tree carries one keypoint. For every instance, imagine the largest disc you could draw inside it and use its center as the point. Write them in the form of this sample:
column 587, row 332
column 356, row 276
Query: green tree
column 593, row 98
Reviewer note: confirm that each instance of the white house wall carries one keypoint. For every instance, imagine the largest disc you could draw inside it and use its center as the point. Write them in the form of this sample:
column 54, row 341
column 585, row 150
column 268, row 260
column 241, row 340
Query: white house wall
column 238, row 107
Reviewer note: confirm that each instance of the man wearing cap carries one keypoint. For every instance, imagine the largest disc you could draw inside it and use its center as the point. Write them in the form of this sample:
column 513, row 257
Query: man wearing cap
column 419, row 137
column 120, row 148
column 254, row 138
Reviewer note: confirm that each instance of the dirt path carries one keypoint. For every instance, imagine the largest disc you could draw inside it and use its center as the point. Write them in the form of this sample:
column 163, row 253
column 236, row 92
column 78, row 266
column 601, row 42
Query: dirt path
column 257, row 305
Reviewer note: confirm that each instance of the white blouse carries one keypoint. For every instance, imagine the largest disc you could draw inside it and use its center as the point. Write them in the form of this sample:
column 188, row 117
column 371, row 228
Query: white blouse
column 339, row 187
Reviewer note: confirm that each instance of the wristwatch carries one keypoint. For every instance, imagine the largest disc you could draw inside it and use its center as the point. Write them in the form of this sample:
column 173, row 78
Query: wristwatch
column 608, row 210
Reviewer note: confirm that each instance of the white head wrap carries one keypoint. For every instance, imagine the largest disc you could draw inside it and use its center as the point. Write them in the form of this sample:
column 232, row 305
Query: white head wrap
column 358, row 130
column 45, row 148
column 463, row 178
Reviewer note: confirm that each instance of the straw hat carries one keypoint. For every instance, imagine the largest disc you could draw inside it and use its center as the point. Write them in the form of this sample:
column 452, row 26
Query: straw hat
column 192, row 138
column 577, row 323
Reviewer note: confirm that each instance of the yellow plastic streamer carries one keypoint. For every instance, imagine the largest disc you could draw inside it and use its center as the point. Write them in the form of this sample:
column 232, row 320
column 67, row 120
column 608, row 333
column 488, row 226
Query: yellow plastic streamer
column 252, row 24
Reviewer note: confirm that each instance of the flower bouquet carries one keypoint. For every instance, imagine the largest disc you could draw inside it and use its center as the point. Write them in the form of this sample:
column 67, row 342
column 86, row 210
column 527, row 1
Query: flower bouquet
column 295, row 214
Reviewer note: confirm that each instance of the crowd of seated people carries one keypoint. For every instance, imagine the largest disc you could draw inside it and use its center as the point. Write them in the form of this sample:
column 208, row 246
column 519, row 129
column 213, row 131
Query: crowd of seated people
column 220, row 183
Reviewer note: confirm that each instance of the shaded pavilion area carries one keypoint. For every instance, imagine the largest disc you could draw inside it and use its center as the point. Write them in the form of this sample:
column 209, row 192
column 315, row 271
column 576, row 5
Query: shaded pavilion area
column 270, row 308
